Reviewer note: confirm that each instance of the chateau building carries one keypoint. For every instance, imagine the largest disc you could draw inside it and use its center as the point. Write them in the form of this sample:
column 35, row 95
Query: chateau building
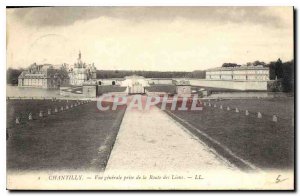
column 42, row 76
column 81, row 72
column 255, row 73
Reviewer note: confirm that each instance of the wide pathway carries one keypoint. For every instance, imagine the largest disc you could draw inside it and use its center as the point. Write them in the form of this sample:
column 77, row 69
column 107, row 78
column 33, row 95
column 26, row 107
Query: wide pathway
column 152, row 141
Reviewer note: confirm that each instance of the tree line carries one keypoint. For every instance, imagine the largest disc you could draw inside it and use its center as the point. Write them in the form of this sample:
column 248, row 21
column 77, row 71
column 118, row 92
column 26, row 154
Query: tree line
column 254, row 63
column 149, row 74
column 279, row 70
column 13, row 74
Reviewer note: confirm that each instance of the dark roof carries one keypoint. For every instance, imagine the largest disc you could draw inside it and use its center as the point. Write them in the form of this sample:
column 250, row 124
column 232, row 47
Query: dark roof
column 161, row 88
column 110, row 88
column 43, row 74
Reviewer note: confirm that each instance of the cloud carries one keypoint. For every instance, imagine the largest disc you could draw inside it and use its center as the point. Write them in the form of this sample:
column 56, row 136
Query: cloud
column 63, row 16
column 149, row 38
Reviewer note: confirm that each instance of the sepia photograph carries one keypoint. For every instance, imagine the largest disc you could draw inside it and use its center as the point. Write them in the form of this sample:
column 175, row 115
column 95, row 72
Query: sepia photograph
column 150, row 98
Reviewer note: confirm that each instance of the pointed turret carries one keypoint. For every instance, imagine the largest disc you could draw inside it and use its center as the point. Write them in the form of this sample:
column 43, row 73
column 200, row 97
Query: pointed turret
column 79, row 55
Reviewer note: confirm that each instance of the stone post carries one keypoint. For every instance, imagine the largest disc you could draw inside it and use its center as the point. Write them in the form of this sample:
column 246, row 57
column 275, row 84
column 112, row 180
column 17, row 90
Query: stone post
column 259, row 115
column 246, row 112
column 18, row 120
column 30, row 116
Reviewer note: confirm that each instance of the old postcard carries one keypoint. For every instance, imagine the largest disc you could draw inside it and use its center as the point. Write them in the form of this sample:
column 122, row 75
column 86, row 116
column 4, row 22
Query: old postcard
column 150, row 98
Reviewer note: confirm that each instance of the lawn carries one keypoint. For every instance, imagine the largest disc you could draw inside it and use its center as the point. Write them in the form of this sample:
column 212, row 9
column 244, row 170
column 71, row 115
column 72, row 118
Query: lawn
column 80, row 138
column 282, row 107
column 22, row 108
column 262, row 142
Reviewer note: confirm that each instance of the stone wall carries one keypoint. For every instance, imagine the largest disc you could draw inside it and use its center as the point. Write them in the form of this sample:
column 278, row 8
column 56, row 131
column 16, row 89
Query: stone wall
column 231, row 84
column 183, row 90
column 89, row 90
column 160, row 81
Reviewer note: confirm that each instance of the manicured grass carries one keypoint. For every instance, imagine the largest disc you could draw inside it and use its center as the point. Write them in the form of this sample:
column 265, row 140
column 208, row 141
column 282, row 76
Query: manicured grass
column 282, row 107
column 80, row 138
column 264, row 143
column 22, row 108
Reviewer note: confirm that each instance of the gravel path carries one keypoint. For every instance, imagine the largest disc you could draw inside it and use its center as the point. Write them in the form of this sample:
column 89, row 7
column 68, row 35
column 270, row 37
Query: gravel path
column 151, row 141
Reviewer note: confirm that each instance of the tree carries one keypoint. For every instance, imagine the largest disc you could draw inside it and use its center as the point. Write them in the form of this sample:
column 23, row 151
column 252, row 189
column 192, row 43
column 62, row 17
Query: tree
column 230, row 65
column 284, row 72
column 248, row 64
column 271, row 66
column 288, row 77
column 256, row 63
column 12, row 75
column 278, row 69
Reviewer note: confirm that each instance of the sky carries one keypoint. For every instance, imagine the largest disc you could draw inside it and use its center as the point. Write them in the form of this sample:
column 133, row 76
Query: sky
column 149, row 38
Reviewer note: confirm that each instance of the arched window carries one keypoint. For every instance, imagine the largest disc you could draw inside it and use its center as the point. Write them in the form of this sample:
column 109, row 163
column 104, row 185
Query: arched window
column 113, row 83
column 99, row 82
